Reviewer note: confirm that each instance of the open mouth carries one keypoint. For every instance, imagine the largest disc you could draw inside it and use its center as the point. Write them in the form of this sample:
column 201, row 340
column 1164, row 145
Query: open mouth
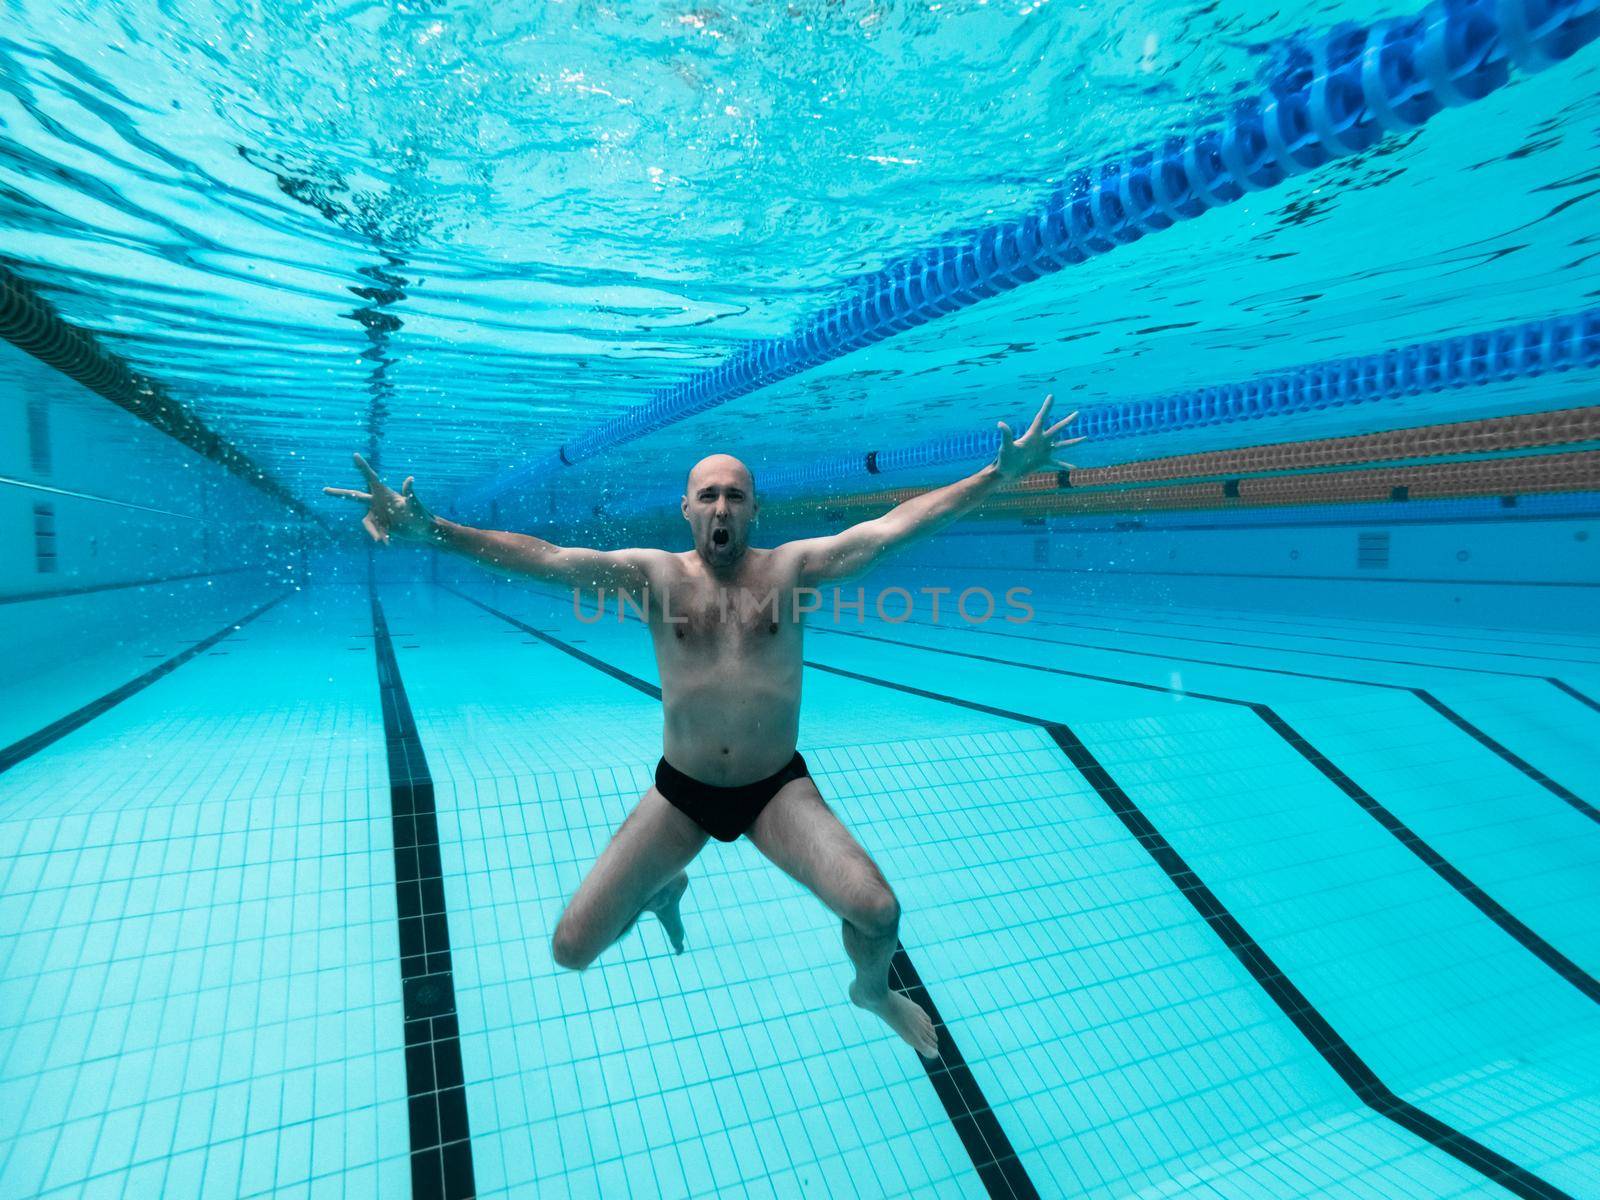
column 719, row 537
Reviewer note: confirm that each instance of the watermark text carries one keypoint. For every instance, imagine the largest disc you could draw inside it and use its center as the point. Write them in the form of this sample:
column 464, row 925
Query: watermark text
column 746, row 606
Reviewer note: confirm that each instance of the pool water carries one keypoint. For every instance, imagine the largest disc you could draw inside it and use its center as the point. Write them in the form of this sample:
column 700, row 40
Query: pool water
column 1260, row 860
column 1395, row 899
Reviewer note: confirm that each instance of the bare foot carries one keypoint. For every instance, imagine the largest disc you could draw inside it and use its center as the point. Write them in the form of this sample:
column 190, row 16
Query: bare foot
column 904, row 1016
column 665, row 905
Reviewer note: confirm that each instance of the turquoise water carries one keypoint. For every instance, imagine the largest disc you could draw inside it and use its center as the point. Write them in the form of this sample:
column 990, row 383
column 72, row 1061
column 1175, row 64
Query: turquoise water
column 201, row 939
column 1263, row 861
column 469, row 234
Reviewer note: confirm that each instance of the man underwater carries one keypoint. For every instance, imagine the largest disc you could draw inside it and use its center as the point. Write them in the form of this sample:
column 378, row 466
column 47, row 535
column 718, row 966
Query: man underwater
column 730, row 691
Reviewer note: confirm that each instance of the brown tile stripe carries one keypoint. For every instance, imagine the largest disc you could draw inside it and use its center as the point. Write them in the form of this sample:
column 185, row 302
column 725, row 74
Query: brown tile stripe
column 1523, row 475
column 31, row 323
column 1495, row 434
column 1520, row 432
column 1519, row 475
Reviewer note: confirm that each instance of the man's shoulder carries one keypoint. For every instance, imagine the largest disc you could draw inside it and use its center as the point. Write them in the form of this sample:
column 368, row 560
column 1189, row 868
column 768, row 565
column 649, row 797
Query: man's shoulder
column 665, row 565
column 649, row 556
column 785, row 552
column 778, row 559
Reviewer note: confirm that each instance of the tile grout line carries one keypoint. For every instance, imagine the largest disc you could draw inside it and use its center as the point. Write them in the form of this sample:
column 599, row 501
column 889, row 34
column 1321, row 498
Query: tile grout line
column 1371, row 634
column 86, row 589
column 1067, row 619
column 1409, row 838
column 441, row 1149
column 25, row 747
column 1482, row 737
column 975, row 1122
column 1519, row 764
column 1501, row 916
column 1543, row 583
column 1580, row 697
column 1316, row 1029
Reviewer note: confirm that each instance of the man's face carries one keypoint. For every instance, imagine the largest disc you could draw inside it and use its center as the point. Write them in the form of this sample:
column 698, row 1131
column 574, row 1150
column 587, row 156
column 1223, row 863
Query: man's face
column 720, row 504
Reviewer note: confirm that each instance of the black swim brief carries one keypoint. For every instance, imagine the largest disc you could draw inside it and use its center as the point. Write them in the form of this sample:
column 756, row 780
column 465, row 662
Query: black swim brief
column 723, row 812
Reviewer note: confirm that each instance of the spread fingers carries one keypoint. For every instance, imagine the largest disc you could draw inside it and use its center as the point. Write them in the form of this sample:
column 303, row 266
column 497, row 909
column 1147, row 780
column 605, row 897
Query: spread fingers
column 1061, row 424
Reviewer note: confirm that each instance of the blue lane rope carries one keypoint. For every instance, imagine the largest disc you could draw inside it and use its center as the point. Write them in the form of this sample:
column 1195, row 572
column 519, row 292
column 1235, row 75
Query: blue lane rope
column 1523, row 351
column 1337, row 95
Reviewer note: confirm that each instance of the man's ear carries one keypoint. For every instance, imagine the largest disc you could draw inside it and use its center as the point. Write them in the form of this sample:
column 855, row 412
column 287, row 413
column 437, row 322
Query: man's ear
column 683, row 506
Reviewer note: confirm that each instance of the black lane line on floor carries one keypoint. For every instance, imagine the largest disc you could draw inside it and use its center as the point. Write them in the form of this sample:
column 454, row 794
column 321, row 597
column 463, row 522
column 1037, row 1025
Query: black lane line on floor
column 976, row 1125
column 1520, row 637
column 1500, row 750
column 980, row 1131
column 1066, row 619
column 441, row 1149
column 11, row 755
column 1296, row 629
column 1541, row 583
column 57, row 593
column 1403, row 833
column 1506, row 753
column 1487, row 905
column 1479, row 735
column 1577, row 695
column 1316, row 1029
column 1068, row 623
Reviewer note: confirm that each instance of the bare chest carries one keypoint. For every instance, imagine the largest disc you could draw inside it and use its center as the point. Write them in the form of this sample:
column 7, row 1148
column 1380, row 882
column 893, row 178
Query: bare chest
column 724, row 617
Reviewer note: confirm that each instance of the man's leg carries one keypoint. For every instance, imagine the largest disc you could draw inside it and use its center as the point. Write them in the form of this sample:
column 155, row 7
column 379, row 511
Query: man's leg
column 641, row 868
column 799, row 832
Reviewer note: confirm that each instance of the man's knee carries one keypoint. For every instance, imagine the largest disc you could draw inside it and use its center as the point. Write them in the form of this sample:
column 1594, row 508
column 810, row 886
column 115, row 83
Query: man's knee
column 569, row 949
column 875, row 911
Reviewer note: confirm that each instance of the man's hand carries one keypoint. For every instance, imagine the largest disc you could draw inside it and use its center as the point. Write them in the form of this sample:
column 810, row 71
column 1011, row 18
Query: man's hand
column 1035, row 450
column 389, row 512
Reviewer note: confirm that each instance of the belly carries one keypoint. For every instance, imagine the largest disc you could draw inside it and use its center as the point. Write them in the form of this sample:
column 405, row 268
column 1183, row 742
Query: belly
column 727, row 729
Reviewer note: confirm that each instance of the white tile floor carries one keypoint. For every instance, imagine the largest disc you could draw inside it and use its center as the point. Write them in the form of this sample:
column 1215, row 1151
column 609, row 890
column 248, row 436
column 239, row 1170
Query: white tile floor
column 198, row 949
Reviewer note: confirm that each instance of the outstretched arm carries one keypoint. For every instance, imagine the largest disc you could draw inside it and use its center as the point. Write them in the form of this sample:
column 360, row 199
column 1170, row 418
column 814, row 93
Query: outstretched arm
column 402, row 514
column 856, row 550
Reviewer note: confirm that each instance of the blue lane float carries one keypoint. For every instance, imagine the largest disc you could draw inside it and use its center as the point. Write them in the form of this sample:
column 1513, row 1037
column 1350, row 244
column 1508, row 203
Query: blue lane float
column 1524, row 351
column 1336, row 95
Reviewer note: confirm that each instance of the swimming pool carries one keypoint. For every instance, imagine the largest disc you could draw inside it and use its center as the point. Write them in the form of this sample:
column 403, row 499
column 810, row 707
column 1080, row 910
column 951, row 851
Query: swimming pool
column 1259, row 860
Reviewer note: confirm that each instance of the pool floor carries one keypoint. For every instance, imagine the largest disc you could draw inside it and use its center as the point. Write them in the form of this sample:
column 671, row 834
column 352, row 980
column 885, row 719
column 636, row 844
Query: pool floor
column 1209, row 903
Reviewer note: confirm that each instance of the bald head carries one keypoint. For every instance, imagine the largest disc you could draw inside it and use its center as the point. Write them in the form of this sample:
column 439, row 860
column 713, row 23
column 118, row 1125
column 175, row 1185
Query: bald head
column 720, row 468
column 719, row 502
